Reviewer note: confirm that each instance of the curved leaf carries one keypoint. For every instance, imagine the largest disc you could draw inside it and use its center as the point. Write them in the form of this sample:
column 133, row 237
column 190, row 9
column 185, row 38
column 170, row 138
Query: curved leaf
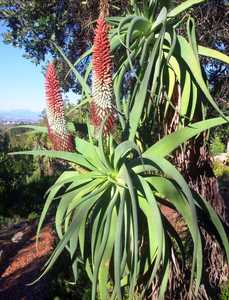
column 182, row 7
column 169, row 143
column 213, row 54
column 68, row 156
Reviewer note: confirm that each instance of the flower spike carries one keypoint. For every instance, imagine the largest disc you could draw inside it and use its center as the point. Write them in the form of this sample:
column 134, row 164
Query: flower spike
column 101, row 107
column 61, row 139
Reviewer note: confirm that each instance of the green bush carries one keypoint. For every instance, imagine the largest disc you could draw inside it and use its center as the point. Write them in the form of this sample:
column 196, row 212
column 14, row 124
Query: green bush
column 217, row 146
column 225, row 291
column 220, row 169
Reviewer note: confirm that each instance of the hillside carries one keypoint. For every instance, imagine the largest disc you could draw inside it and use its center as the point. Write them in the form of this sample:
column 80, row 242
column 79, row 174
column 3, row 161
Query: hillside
column 17, row 116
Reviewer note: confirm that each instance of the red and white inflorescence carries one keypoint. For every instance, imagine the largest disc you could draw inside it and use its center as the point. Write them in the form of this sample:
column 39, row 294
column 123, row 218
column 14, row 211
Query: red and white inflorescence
column 101, row 107
column 61, row 139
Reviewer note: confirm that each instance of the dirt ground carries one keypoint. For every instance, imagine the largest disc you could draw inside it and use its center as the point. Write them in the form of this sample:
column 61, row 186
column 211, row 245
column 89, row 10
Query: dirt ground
column 21, row 262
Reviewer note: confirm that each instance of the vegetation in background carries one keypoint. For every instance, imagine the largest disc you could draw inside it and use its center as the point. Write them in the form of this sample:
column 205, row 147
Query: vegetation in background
column 220, row 169
column 225, row 291
column 23, row 181
column 217, row 146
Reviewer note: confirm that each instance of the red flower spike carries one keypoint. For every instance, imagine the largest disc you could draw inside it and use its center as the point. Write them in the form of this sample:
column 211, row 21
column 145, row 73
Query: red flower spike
column 61, row 139
column 102, row 91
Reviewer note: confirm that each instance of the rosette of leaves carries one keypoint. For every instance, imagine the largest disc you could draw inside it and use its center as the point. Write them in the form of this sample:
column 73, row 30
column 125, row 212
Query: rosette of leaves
column 109, row 217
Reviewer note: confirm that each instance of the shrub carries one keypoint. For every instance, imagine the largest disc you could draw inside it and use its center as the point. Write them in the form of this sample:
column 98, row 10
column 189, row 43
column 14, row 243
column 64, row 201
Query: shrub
column 220, row 169
column 217, row 146
column 225, row 291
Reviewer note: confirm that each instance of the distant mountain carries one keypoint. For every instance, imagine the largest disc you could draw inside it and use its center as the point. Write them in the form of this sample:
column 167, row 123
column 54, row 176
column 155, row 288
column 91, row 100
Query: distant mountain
column 19, row 115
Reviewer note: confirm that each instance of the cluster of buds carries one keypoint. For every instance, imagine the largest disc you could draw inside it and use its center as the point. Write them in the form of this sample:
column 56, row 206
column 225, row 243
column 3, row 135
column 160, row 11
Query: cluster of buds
column 101, row 107
column 61, row 139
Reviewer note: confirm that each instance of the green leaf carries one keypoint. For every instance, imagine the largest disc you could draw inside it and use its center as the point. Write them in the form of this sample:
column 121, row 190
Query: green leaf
column 194, row 100
column 140, row 98
column 76, row 73
column 174, row 65
column 213, row 54
column 79, row 60
column 212, row 216
column 89, row 151
column 164, row 274
column 102, row 246
column 182, row 7
column 71, row 127
column 170, row 142
column 53, row 191
column 146, row 207
column 118, row 247
column 192, row 37
column 160, row 19
column 106, row 260
column 103, row 156
column 172, row 194
column 187, row 53
column 137, row 23
column 68, row 156
column 185, row 97
column 73, row 230
column 88, row 190
column 134, row 273
column 122, row 149
column 157, row 229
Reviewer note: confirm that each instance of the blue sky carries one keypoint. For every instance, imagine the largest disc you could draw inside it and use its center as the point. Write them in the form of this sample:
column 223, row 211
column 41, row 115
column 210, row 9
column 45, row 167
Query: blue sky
column 21, row 81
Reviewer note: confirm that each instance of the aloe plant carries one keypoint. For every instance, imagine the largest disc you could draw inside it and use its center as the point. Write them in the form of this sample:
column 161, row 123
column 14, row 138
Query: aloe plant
column 108, row 214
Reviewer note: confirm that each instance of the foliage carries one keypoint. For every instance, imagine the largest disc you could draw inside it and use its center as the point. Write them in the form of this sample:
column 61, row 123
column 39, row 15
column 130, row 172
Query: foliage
column 220, row 169
column 61, row 286
column 225, row 292
column 215, row 14
column 35, row 26
column 108, row 213
column 212, row 27
column 217, row 146
column 13, row 172
column 21, row 184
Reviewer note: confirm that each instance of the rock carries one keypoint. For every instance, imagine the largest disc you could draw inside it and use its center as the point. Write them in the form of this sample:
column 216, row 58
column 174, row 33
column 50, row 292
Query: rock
column 222, row 157
column 17, row 237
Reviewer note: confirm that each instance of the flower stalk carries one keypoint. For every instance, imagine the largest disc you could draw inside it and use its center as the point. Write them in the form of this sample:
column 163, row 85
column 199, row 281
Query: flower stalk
column 61, row 139
column 102, row 107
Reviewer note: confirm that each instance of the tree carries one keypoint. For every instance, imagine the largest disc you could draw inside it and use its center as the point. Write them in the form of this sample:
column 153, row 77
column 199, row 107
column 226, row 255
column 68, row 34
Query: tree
column 23, row 181
column 212, row 24
column 36, row 25
column 13, row 173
